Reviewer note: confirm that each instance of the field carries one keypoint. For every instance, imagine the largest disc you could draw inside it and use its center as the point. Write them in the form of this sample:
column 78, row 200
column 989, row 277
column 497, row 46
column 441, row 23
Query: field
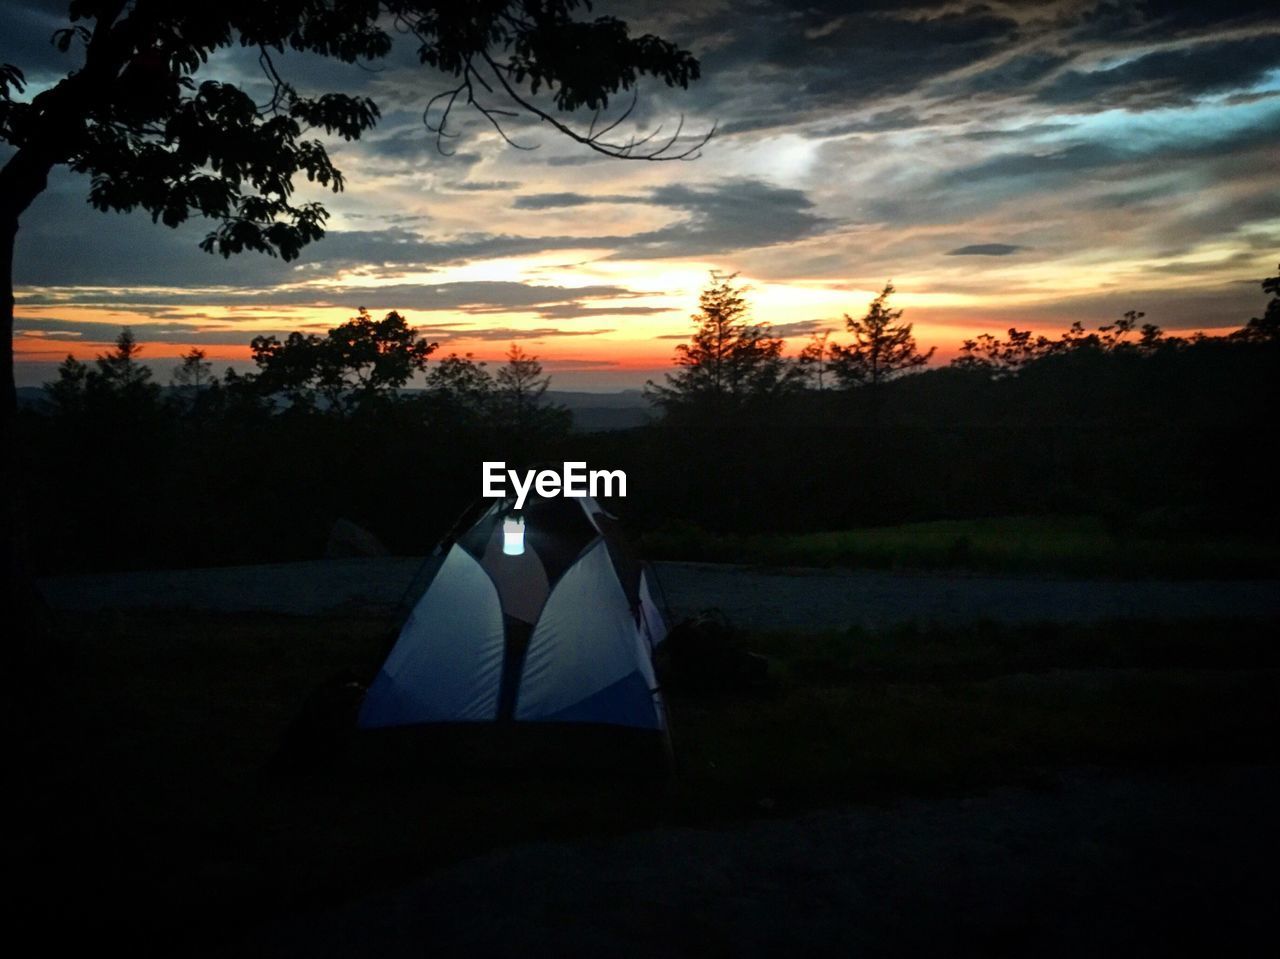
column 1053, row 545
column 150, row 796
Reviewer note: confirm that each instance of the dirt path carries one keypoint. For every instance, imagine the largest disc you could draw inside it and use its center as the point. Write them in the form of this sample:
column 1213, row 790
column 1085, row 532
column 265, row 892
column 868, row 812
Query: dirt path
column 1093, row 864
column 758, row 598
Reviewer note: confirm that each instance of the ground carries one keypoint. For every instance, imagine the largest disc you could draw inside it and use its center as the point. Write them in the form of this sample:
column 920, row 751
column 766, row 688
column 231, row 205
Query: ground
column 1089, row 863
column 753, row 597
column 1046, row 778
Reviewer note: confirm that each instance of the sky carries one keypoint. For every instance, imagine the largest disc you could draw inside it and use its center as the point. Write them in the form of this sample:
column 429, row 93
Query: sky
column 1005, row 164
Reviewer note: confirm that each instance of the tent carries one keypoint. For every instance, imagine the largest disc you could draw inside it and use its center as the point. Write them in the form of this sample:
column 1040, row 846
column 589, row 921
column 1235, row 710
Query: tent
column 537, row 618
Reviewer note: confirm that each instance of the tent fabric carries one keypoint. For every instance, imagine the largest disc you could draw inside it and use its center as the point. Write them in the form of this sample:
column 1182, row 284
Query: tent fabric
column 562, row 633
column 560, row 669
column 447, row 664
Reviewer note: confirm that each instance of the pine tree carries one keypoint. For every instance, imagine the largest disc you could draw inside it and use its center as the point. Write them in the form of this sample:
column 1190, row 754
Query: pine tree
column 882, row 348
column 728, row 360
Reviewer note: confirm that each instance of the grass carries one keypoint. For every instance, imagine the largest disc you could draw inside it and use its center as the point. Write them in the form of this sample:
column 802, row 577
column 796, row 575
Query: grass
column 1042, row 545
column 144, row 749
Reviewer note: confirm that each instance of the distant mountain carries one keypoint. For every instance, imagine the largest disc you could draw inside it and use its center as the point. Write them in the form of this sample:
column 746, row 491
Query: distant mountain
column 599, row 412
column 32, row 397
column 592, row 412
column 623, row 399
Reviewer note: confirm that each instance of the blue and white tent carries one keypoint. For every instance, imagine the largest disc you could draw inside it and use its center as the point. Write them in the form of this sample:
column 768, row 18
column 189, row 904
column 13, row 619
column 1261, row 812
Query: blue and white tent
column 541, row 615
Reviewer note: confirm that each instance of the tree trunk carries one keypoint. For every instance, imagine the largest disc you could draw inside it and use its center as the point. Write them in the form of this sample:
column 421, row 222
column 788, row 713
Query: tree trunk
column 8, row 234
column 22, row 179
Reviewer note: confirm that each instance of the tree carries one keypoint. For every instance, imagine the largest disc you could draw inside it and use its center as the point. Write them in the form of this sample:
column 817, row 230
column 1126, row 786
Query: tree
column 520, row 382
column 1265, row 328
column 815, row 358
column 118, row 385
column 131, row 115
column 728, row 360
column 520, row 398
column 365, row 359
column 68, row 391
column 119, row 370
column 360, row 362
column 1002, row 358
column 882, row 347
column 460, row 387
column 194, row 374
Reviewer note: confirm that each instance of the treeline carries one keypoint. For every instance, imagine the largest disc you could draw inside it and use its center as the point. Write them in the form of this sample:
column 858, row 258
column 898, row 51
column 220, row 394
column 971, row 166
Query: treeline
column 257, row 467
column 1157, row 434
column 1166, row 435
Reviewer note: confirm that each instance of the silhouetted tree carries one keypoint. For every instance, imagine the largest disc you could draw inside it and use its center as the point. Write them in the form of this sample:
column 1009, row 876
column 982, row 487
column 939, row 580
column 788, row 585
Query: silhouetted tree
column 117, row 383
column 460, row 388
column 67, row 392
column 365, row 359
column 728, row 360
column 520, row 382
column 119, row 370
column 1114, row 336
column 1265, row 328
column 815, row 359
column 520, row 404
column 360, row 362
column 882, row 347
column 1001, row 358
column 194, row 374
column 116, row 392
column 132, row 116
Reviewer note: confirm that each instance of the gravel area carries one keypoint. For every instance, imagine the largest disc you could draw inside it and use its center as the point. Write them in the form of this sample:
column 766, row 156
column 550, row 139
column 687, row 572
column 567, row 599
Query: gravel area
column 1092, row 864
column 792, row 599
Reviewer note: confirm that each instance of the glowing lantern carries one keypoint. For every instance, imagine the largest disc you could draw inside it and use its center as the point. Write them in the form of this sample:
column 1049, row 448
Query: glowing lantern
column 513, row 536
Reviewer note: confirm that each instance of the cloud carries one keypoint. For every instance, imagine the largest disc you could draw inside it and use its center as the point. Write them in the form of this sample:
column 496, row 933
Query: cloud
column 804, row 327
column 482, row 186
column 92, row 331
column 725, row 217
column 985, row 249
column 1168, row 77
column 551, row 201
column 477, row 297
column 450, row 332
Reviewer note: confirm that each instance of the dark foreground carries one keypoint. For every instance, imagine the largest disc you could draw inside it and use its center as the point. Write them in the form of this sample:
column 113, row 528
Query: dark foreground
column 989, row 788
column 1089, row 863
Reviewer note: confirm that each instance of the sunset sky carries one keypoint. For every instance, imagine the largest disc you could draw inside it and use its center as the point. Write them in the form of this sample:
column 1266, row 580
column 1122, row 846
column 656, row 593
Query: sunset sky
column 1005, row 164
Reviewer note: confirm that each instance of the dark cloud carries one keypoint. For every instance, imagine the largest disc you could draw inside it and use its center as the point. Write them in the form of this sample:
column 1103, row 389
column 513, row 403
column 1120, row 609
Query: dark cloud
column 880, row 121
column 819, row 60
column 1168, row 77
column 729, row 216
column 61, row 243
column 985, row 249
column 70, row 331
column 804, row 327
column 416, row 145
column 551, row 201
column 480, row 186
column 1028, row 132
column 1165, row 19
column 25, row 39
column 1017, row 73
column 450, row 332
column 476, row 297
column 1039, row 168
